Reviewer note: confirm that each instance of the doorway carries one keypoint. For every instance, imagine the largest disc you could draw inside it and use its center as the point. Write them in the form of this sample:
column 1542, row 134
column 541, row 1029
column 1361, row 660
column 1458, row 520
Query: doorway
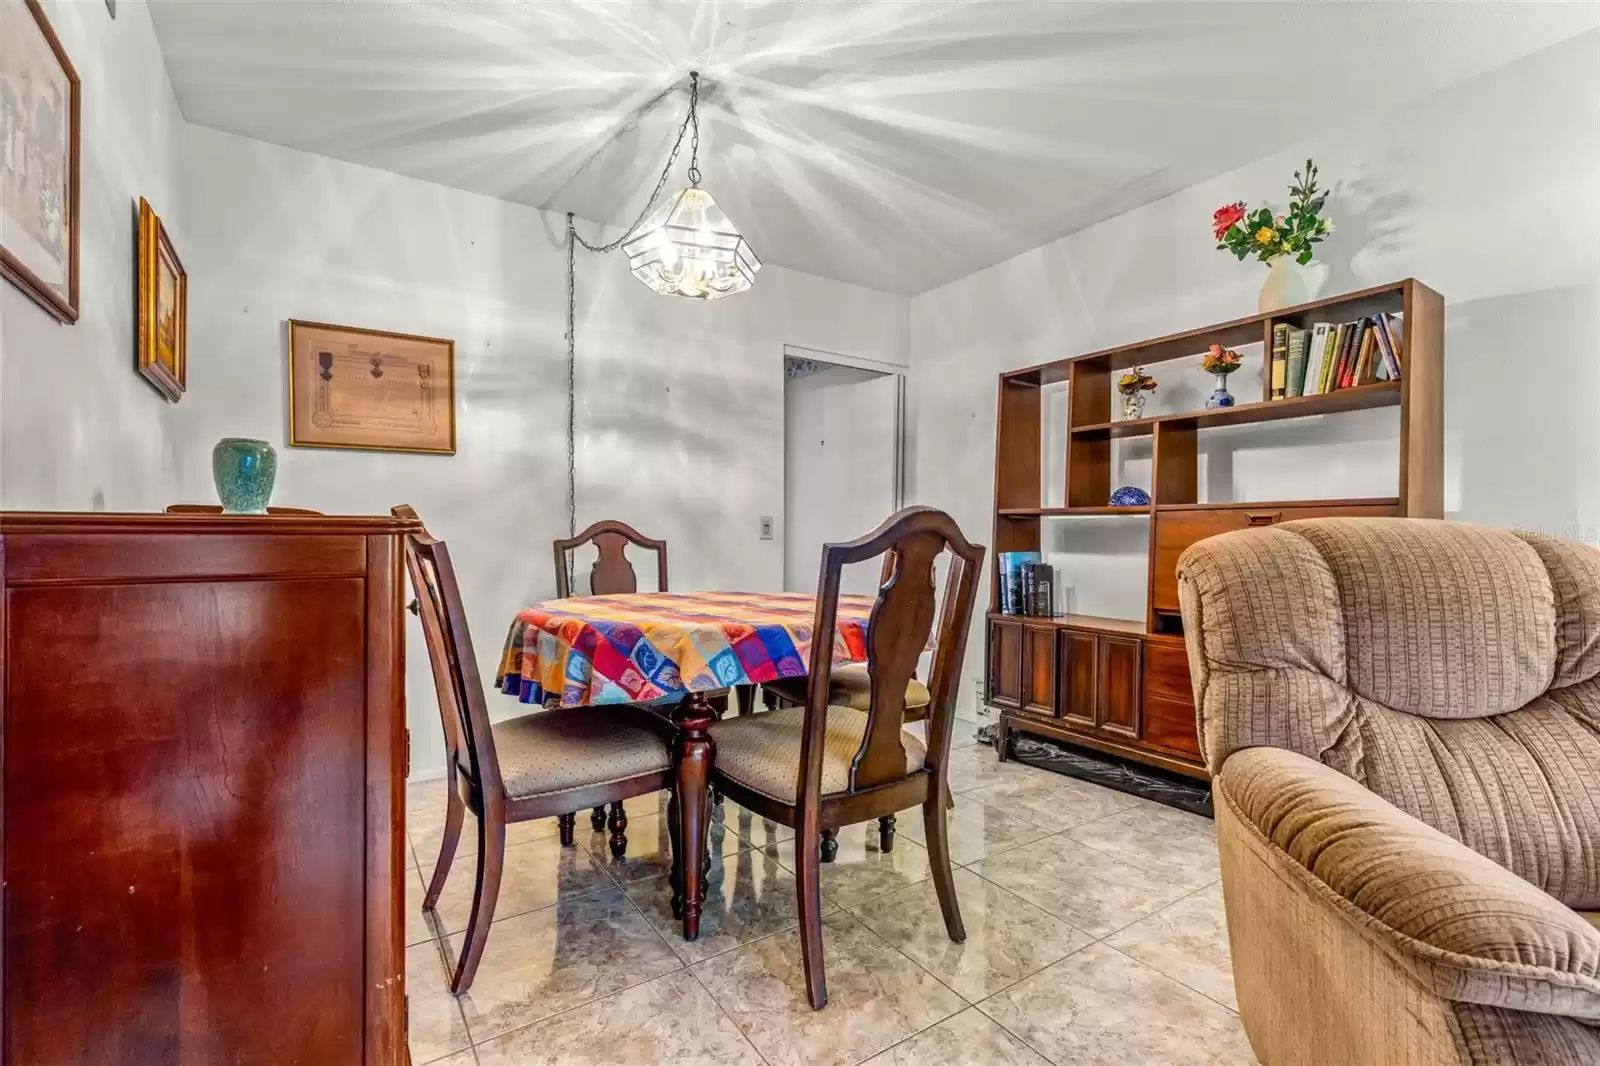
column 842, row 462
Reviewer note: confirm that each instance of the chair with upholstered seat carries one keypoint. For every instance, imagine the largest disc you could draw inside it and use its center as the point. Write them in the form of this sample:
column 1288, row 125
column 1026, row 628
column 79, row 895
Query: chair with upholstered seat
column 821, row 766
column 548, row 763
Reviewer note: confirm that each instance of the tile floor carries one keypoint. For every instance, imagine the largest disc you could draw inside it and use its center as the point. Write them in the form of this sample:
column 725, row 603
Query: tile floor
column 1094, row 935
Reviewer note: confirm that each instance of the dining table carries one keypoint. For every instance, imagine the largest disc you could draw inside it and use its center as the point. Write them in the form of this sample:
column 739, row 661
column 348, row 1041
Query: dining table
column 672, row 651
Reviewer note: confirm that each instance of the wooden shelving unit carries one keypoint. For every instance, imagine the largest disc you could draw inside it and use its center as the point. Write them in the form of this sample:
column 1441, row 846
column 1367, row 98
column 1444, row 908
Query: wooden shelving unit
column 1123, row 686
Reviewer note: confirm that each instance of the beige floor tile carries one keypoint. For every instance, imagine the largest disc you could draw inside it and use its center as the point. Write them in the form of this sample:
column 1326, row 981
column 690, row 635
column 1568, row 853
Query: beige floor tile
column 460, row 1058
column 1187, row 941
column 670, row 1021
column 426, row 833
column 544, row 962
column 1053, row 800
column 1007, row 939
column 979, row 768
column 963, row 1039
column 876, row 996
column 435, row 1028
column 754, row 830
column 1100, row 1007
column 751, row 896
column 423, row 795
column 649, row 853
column 418, row 931
column 860, row 871
column 1087, row 888
column 534, row 876
column 975, row 829
column 1173, row 844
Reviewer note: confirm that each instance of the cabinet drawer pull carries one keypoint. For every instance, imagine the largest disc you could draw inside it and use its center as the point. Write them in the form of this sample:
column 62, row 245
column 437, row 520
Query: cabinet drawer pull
column 1263, row 518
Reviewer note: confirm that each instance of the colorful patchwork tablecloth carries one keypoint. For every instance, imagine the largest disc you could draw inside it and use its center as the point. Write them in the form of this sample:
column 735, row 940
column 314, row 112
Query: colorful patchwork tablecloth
column 651, row 646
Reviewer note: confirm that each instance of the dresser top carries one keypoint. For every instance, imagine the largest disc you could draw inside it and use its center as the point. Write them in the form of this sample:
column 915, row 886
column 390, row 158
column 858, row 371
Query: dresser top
column 81, row 523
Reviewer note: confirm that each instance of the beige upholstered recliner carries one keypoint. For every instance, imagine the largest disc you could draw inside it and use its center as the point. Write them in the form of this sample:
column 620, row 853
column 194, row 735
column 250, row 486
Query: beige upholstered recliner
column 1402, row 718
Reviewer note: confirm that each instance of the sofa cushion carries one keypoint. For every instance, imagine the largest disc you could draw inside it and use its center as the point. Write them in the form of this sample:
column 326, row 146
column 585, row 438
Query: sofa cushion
column 1494, row 1036
column 1467, row 928
column 1441, row 619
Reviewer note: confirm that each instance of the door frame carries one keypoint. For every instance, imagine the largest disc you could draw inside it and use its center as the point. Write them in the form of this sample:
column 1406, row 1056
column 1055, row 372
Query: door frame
column 897, row 371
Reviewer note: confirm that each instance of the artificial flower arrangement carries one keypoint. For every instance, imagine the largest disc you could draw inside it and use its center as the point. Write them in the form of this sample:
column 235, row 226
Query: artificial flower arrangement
column 1133, row 385
column 1266, row 236
column 1220, row 360
column 1136, row 381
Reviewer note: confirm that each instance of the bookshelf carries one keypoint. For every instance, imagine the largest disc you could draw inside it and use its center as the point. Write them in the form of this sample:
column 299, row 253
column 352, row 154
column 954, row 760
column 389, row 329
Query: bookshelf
column 1122, row 686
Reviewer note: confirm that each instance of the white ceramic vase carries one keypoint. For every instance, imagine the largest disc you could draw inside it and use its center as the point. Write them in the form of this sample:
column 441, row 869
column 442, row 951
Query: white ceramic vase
column 1288, row 283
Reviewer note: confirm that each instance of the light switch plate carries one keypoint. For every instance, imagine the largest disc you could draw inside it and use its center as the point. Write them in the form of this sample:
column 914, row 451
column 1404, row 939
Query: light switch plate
column 766, row 527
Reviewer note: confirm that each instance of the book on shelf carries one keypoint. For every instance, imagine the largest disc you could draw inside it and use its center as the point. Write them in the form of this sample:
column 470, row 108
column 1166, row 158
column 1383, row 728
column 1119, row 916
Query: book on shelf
column 1280, row 360
column 1295, row 383
column 1038, row 589
column 1011, row 564
column 1315, row 357
column 1388, row 333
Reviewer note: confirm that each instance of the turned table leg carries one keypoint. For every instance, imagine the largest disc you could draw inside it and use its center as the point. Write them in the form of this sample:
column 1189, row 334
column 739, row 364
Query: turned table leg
column 695, row 751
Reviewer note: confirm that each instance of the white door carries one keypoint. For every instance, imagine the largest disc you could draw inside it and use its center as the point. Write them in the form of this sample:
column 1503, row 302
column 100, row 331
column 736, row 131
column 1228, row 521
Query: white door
column 841, row 468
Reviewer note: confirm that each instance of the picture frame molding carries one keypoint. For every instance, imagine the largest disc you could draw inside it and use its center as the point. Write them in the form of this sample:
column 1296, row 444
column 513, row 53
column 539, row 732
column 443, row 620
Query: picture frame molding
column 12, row 268
column 152, row 239
column 450, row 373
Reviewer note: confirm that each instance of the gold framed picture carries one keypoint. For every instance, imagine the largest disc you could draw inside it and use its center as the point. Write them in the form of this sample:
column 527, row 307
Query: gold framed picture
column 39, row 128
column 371, row 389
column 163, row 308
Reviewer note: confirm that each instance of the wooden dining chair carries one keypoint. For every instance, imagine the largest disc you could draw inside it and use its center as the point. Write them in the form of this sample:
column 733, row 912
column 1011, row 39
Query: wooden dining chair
column 546, row 763
column 216, row 508
column 822, row 766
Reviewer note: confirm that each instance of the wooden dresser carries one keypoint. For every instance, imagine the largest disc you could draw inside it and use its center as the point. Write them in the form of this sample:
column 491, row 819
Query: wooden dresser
column 203, row 773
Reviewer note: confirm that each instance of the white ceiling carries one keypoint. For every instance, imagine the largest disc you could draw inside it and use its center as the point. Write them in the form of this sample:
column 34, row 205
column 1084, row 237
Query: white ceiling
column 898, row 145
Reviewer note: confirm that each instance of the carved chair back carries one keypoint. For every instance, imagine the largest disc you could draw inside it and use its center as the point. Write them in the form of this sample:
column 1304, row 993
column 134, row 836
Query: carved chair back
column 612, row 573
column 469, row 740
column 898, row 628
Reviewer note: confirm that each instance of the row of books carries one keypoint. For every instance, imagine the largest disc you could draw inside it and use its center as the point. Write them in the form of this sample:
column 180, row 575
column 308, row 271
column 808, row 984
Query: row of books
column 1027, row 585
column 1336, row 355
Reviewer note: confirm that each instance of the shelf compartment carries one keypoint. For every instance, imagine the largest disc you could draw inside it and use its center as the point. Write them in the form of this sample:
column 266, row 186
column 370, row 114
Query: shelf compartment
column 1250, row 330
column 1356, row 398
column 1071, row 512
column 1119, row 626
column 1256, row 505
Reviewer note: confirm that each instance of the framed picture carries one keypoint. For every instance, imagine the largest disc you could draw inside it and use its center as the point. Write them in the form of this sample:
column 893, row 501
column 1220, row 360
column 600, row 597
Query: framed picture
column 163, row 308
column 39, row 123
column 366, row 388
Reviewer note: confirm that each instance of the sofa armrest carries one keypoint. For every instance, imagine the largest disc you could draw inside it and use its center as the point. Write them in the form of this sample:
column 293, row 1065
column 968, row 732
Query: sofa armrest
column 1465, row 927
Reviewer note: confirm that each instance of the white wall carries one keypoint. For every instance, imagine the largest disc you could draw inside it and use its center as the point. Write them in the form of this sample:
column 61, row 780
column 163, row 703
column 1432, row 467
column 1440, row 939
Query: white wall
column 680, row 414
column 1486, row 191
column 79, row 429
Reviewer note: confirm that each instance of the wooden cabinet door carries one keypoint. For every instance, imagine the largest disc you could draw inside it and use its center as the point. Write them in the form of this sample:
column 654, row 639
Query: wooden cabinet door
column 1118, row 686
column 1039, row 670
column 1075, row 669
column 1005, row 664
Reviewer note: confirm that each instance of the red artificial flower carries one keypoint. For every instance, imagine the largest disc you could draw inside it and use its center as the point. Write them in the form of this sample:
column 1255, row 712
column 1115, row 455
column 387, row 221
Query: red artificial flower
column 1225, row 217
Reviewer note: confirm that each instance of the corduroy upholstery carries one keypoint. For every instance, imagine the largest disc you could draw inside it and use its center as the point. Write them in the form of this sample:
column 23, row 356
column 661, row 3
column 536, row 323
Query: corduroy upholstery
column 762, row 751
column 1450, row 674
column 574, row 747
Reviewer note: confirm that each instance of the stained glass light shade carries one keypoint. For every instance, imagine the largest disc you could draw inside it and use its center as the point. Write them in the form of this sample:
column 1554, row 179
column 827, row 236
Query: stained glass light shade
column 687, row 247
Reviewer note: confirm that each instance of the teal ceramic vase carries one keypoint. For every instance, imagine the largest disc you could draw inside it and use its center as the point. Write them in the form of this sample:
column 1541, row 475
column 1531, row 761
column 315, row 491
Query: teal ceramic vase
column 244, row 470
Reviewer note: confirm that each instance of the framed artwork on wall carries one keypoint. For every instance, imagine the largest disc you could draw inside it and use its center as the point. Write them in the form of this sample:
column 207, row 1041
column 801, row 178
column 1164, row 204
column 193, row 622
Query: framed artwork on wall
column 39, row 126
column 163, row 308
column 371, row 389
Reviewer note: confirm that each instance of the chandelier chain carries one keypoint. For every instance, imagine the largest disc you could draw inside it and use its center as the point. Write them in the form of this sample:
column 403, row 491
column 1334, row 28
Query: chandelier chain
column 691, row 121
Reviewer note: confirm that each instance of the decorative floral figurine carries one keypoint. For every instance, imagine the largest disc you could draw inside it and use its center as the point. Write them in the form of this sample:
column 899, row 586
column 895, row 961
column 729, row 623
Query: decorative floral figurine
column 1283, row 242
column 1220, row 362
column 1133, row 385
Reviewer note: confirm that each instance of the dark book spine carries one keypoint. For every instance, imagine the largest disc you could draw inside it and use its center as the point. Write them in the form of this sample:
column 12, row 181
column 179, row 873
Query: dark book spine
column 1028, row 576
column 1046, row 582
